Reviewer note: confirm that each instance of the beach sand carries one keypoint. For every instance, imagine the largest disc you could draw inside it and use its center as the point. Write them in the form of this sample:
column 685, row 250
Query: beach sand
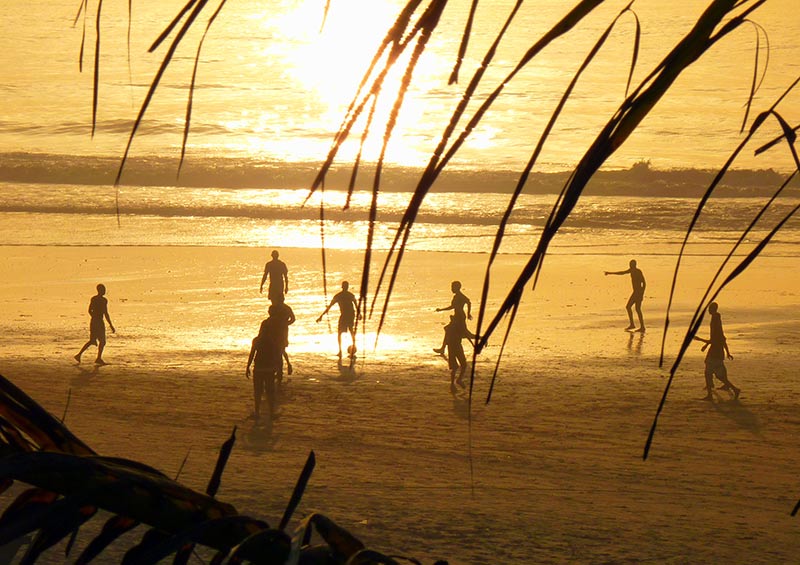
column 549, row 471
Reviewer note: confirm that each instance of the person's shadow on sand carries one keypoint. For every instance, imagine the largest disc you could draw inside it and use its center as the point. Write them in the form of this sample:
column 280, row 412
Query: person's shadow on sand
column 347, row 371
column 85, row 373
column 261, row 436
column 461, row 405
column 635, row 340
column 734, row 410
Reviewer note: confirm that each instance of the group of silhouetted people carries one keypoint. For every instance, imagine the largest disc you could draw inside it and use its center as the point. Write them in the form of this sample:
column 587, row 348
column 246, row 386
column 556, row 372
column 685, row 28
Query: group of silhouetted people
column 268, row 350
column 716, row 344
column 454, row 334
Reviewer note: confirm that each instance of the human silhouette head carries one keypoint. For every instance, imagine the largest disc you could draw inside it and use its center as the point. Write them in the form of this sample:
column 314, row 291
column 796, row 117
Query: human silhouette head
column 101, row 289
column 275, row 254
column 271, row 309
column 633, row 263
column 712, row 308
column 345, row 285
column 455, row 286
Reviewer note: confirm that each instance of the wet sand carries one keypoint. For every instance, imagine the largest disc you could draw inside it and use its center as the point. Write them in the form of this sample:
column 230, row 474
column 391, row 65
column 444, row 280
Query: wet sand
column 550, row 470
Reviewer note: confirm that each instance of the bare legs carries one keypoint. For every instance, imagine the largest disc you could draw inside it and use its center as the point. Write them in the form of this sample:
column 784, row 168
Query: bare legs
column 353, row 343
column 718, row 369
column 264, row 384
column 629, row 307
column 258, row 388
column 101, row 344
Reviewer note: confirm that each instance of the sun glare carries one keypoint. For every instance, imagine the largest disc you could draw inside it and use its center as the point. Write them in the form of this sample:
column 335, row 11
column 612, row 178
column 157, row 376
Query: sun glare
column 328, row 64
column 332, row 60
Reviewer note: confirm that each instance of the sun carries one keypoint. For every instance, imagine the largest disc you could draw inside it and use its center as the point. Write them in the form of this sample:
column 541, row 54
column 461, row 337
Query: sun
column 333, row 57
column 329, row 61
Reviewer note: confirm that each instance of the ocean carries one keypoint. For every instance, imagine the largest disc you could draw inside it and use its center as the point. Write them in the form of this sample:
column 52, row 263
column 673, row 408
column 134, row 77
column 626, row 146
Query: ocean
column 272, row 88
column 619, row 209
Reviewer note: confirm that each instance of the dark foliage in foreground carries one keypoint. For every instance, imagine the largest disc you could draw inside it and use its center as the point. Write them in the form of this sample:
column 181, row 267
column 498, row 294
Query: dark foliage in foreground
column 68, row 483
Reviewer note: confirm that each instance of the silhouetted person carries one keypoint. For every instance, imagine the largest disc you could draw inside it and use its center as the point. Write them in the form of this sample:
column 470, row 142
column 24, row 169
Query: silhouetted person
column 456, row 359
column 265, row 356
column 639, row 284
column 462, row 311
column 284, row 317
column 348, row 308
column 717, row 347
column 98, row 310
column 278, row 275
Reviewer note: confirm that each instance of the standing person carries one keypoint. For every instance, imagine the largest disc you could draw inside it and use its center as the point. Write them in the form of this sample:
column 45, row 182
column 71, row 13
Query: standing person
column 284, row 317
column 265, row 357
column 278, row 275
column 347, row 316
column 717, row 346
column 639, row 284
column 98, row 310
column 462, row 311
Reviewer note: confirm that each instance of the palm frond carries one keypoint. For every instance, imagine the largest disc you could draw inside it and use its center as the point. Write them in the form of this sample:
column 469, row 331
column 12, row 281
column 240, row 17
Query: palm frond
column 96, row 78
column 60, row 520
column 68, row 488
column 462, row 49
column 82, row 9
column 22, row 416
column 342, row 545
column 299, row 489
column 271, row 546
column 635, row 108
column 499, row 236
column 114, row 527
column 24, row 513
column 394, row 257
column 756, row 79
column 697, row 319
column 195, row 12
column 222, row 460
column 392, row 46
column 169, row 29
column 188, row 117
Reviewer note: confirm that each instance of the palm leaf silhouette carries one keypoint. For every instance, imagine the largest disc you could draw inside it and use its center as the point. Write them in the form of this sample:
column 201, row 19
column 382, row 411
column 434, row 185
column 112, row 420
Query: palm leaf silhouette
column 67, row 489
column 697, row 319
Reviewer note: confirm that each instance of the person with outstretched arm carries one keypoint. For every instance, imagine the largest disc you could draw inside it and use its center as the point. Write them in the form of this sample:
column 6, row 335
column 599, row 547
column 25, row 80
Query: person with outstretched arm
column 639, row 284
